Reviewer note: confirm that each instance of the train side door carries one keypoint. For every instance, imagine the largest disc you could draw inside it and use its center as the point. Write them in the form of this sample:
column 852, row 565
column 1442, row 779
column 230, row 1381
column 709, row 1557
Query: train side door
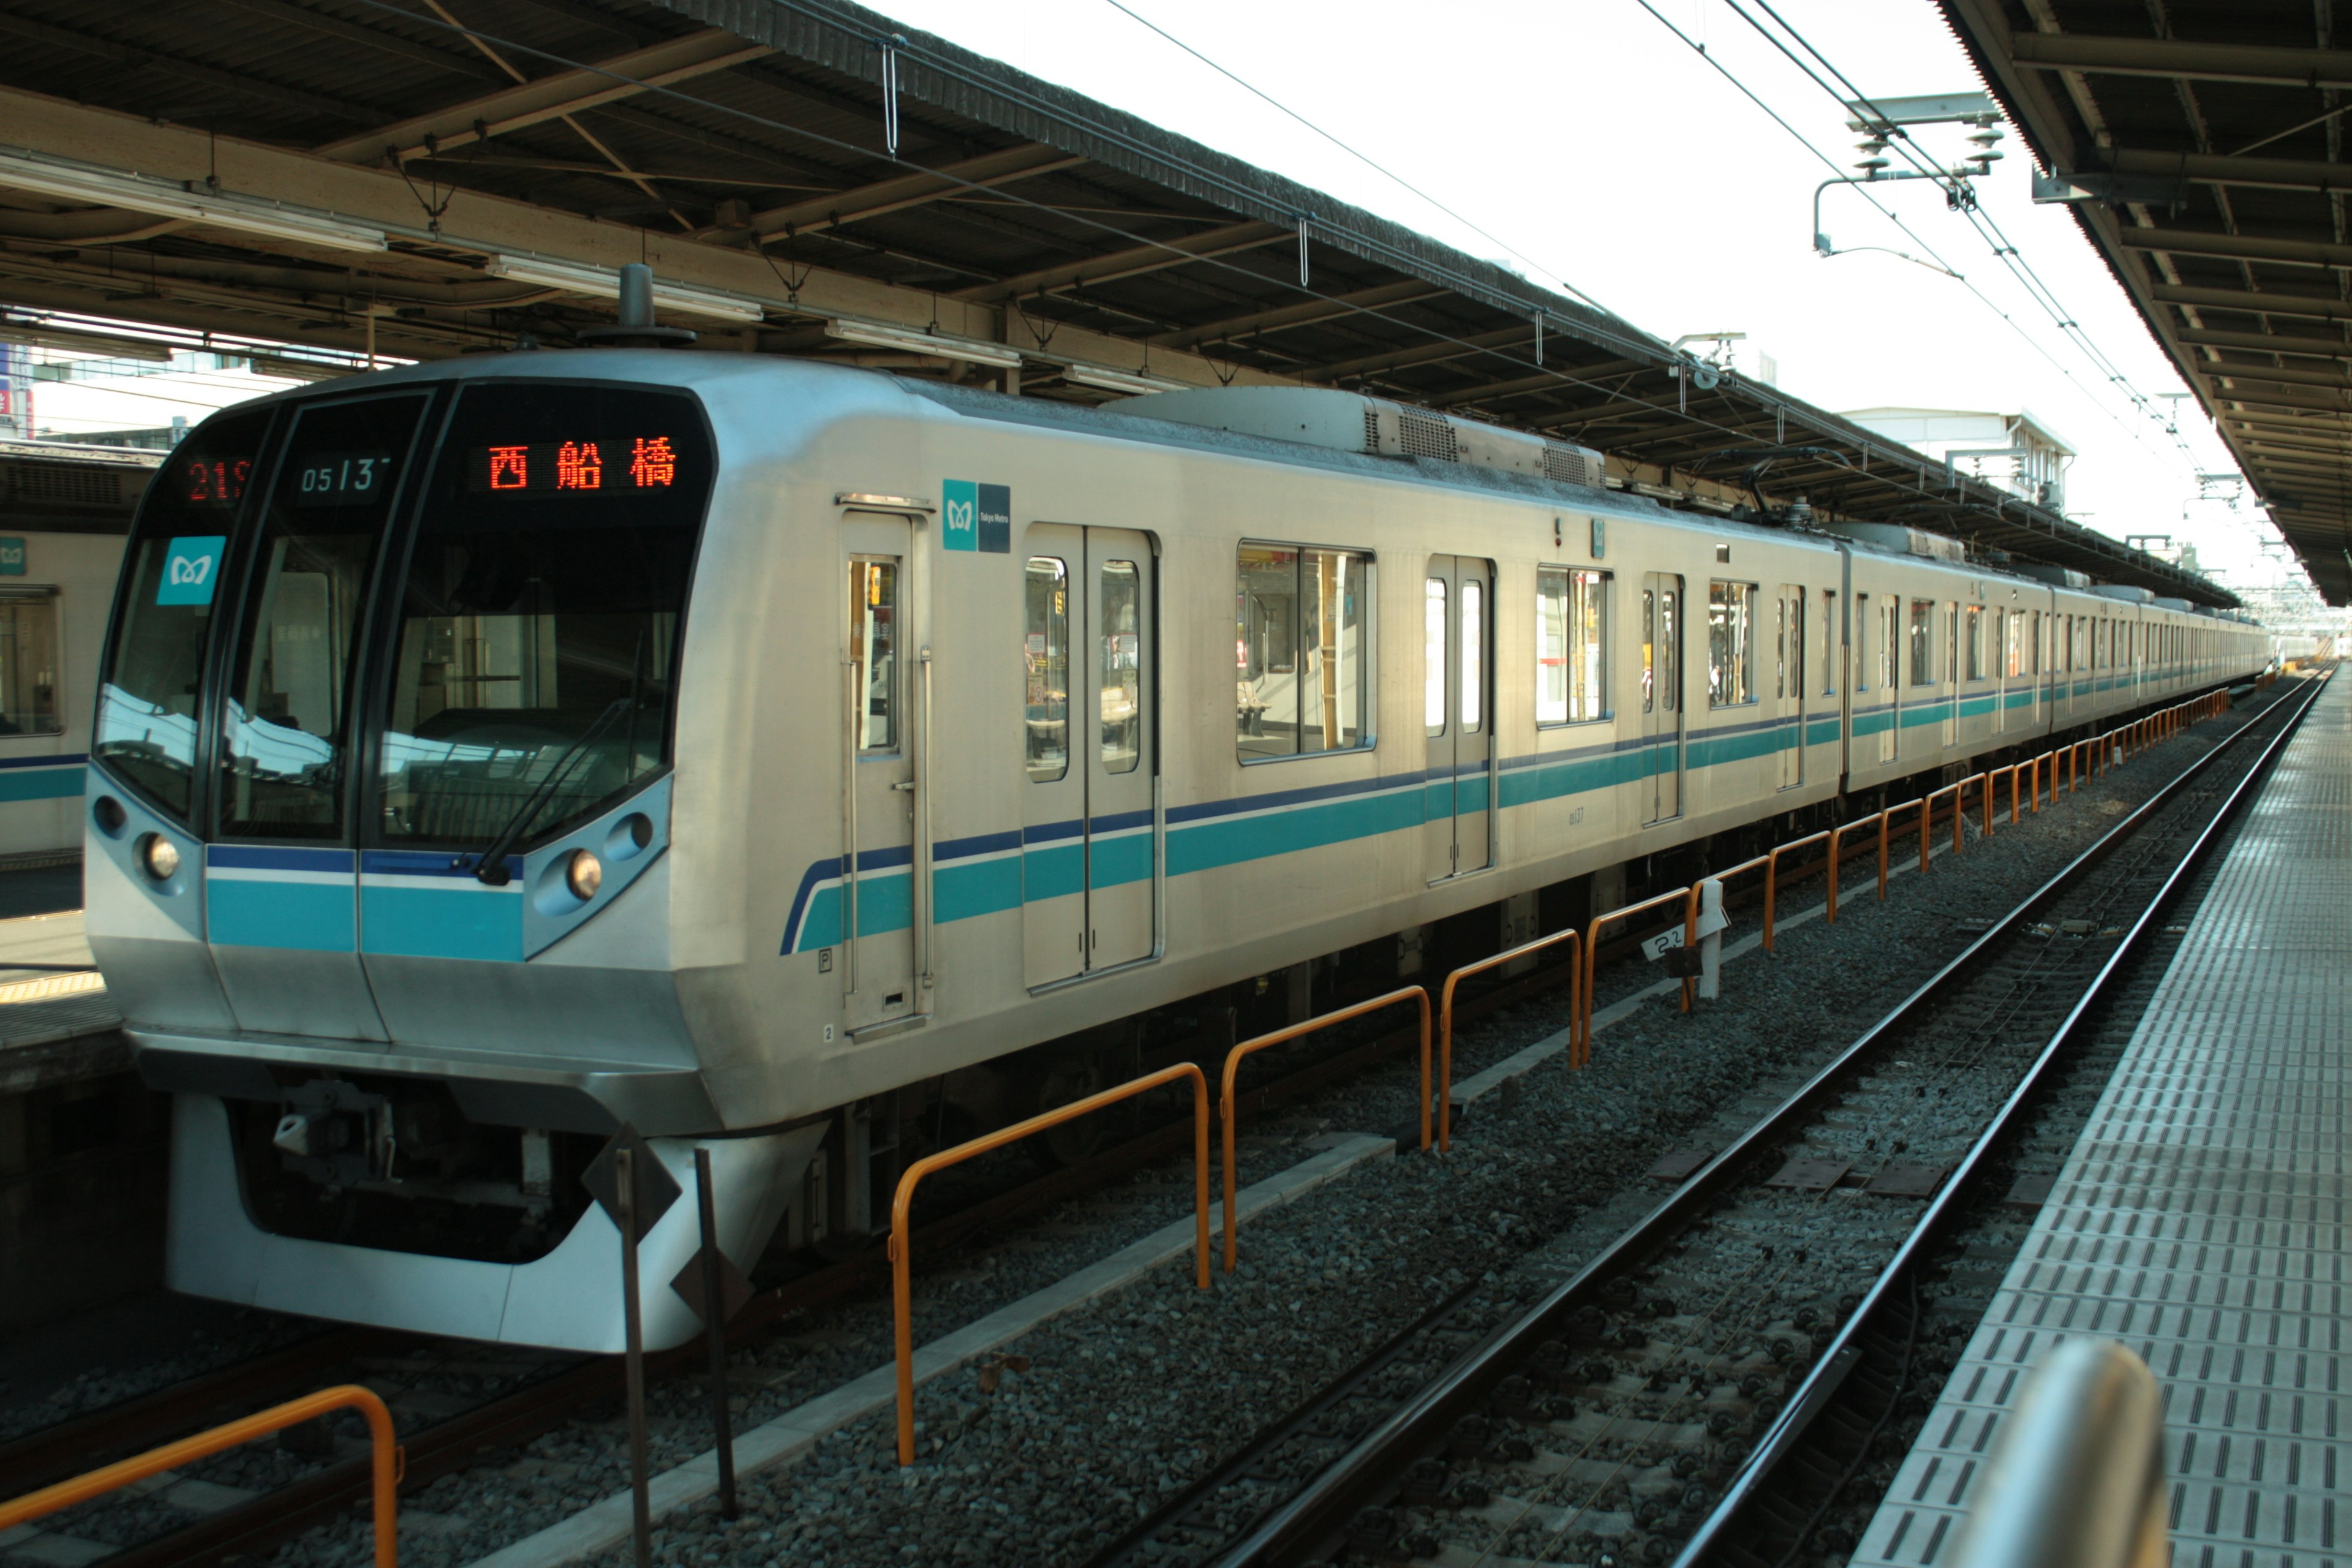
column 1458, row 713
column 1662, row 697
column 1789, row 685
column 1087, row 824
column 878, row 896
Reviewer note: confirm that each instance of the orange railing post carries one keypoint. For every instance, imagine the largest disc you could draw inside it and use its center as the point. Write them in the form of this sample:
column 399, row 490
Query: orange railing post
column 902, row 1285
column 1885, row 817
column 387, row 1462
column 1772, row 879
column 2014, row 769
column 1836, row 834
column 1593, row 958
column 1445, row 1023
column 1225, row 1107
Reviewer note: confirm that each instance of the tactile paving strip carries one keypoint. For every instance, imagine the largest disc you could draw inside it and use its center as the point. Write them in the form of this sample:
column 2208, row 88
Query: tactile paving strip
column 2202, row 1220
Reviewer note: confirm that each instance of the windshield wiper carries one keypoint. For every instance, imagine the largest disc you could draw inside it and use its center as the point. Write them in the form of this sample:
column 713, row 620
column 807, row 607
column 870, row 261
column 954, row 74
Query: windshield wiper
column 491, row 869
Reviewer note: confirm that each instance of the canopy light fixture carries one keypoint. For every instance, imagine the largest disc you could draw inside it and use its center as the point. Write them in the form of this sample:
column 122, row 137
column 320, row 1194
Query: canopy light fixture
column 1120, row 379
column 605, row 283
column 189, row 201
column 911, row 340
column 41, row 335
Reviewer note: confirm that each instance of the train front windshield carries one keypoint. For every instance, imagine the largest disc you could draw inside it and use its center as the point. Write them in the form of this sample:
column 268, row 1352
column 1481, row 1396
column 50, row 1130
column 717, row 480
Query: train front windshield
column 439, row 625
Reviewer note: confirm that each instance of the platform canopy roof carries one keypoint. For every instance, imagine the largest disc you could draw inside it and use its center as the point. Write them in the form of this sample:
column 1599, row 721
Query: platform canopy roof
column 2202, row 143
column 432, row 177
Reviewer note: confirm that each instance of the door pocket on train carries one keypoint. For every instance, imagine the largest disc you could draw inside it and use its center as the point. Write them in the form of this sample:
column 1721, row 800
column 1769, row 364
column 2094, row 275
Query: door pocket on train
column 1089, row 860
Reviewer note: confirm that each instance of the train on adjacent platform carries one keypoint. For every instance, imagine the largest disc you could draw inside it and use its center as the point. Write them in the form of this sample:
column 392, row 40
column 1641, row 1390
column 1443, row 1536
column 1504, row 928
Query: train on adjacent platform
column 492, row 753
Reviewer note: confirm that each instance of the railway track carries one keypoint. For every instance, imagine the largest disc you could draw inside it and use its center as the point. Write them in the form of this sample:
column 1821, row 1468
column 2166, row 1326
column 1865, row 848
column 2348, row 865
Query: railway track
column 1720, row 1383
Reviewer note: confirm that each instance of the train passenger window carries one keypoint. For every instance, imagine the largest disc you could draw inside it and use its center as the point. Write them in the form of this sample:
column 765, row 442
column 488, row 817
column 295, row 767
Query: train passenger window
column 288, row 691
column 1730, row 643
column 1302, row 649
column 1432, row 656
column 1045, row 669
column 146, row 729
column 1973, row 640
column 539, row 623
column 1923, row 641
column 1572, row 645
column 28, row 663
column 1829, row 642
column 1120, row 667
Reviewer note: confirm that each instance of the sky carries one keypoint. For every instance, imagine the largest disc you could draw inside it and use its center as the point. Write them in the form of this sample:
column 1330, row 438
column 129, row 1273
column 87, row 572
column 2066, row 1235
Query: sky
column 1597, row 149
column 1603, row 150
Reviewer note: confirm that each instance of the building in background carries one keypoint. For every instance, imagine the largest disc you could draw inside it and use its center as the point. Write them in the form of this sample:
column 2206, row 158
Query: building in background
column 2015, row 451
column 15, row 392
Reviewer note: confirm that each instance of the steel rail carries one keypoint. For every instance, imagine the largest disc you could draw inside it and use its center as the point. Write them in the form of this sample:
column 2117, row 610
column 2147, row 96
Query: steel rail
column 1312, row 1519
column 1844, row 1351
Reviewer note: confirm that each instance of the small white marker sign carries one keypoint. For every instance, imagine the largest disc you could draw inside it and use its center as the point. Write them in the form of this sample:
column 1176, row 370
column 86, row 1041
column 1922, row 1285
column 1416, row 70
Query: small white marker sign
column 1666, row 941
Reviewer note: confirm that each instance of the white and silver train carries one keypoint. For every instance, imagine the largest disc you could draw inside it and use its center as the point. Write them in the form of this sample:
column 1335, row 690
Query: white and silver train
column 64, row 511
column 482, row 748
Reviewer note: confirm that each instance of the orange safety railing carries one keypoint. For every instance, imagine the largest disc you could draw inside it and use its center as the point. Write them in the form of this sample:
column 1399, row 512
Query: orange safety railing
column 1772, row 879
column 1928, row 816
column 1445, row 1021
column 902, row 1288
column 261, row 1424
column 1226, row 1107
column 1582, row 1047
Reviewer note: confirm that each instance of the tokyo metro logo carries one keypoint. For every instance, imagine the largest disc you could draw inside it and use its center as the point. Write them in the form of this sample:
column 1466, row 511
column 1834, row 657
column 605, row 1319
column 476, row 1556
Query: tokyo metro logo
column 189, row 570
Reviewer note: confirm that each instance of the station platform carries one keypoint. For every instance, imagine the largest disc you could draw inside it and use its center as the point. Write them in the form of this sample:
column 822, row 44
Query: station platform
column 57, row 1025
column 2200, row 1219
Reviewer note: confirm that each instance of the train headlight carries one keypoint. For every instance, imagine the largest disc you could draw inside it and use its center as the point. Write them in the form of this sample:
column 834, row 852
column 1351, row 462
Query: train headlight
column 584, row 874
column 160, row 857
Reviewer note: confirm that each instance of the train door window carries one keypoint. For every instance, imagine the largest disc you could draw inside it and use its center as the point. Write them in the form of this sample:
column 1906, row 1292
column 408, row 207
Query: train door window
column 874, row 651
column 1923, row 641
column 28, row 663
column 1730, row 643
column 2013, row 651
column 1861, row 643
column 1045, row 669
column 1303, row 648
column 289, row 692
column 1973, row 640
column 1572, row 645
column 1434, row 593
column 1118, row 636
column 1829, row 642
column 1474, row 662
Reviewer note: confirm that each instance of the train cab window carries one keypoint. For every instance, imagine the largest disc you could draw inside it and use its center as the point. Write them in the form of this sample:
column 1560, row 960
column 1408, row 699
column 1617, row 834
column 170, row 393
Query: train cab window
column 1923, row 641
column 285, row 724
column 1730, row 643
column 28, row 663
column 146, row 729
column 539, row 626
column 1120, row 667
column 1045, row 669
column 1572, row 645
column 1303, row 648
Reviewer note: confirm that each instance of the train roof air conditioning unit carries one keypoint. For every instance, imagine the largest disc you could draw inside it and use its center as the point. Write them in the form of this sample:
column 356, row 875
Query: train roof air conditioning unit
column 2128, row 594
column 1351, row 422
column 1903, row 539
column 2043, row 572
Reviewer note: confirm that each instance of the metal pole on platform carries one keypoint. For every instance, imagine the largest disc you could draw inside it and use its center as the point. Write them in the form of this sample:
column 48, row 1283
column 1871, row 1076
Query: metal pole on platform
column 714, row 1332
column 633, row 1319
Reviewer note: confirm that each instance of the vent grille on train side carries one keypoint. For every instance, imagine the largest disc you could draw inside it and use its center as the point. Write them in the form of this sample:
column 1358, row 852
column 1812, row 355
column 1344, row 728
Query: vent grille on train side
column 1428, row 435
column 68, row 487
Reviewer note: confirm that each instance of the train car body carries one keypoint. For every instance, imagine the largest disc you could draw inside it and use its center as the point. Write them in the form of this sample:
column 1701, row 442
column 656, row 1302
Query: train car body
column 64, row 511
column 544, row 743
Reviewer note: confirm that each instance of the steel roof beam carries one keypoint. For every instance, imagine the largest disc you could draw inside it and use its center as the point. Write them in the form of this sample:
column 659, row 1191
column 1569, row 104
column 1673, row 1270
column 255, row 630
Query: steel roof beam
column 2269, row 344
column 2282, row 375
column 2215, row 169
column 1542, row 381
column 1133, row 262
column 238, row 84
column 2301, row 307
column 1314, row 312
column 2183, row 61
column 2238, row 247
column 1458, row 346
column 547, row 97
column 902, row 192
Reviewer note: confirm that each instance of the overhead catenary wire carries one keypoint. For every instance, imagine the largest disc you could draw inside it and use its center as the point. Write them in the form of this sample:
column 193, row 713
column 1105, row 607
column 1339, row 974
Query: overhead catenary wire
column 1988, row 228
column 1902, row 472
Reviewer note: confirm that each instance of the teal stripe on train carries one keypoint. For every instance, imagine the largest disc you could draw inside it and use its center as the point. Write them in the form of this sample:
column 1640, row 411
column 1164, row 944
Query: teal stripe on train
column 63, row 781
